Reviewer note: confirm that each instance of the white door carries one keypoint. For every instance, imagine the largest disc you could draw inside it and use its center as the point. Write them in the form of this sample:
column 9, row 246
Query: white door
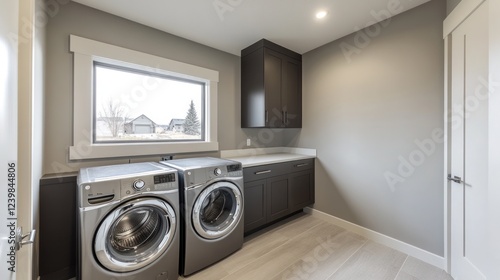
column 8, row 140
column 18, row 110
column 469, row 147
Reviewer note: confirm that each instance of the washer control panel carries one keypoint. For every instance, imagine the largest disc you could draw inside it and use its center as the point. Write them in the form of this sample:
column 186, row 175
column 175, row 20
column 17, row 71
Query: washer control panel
column 106, row 184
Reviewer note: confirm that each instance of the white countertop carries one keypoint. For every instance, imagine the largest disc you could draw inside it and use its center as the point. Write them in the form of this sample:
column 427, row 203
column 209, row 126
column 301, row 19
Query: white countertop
column 256, row 157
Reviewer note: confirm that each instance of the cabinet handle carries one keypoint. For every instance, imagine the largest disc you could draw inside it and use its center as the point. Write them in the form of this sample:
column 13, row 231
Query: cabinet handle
column 267, row 117
column 301, row 164
column 262, row 172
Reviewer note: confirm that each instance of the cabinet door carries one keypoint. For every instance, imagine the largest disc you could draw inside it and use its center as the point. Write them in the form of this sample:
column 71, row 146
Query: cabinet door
column 255, row 204
column 301, row 189
column 253, row 95
column 277, row 197
column 291, row 95
column 273, row 72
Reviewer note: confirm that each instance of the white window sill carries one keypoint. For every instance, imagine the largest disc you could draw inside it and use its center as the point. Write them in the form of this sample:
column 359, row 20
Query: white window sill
column 96, row 151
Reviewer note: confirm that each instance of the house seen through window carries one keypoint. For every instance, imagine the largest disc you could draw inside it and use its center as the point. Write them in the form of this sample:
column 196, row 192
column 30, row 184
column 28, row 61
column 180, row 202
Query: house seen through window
column 133, row 105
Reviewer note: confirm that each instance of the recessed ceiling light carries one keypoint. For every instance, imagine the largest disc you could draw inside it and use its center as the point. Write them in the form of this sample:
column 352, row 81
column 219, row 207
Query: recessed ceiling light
column 321, row 14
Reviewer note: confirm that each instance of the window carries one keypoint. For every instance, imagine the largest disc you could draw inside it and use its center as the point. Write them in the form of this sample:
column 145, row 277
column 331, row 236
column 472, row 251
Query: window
column 139, row 106
column 128, row 103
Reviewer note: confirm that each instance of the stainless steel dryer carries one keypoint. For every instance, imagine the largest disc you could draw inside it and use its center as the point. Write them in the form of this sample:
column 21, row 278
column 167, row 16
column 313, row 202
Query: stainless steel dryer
column 128, row 222
column 211, row 208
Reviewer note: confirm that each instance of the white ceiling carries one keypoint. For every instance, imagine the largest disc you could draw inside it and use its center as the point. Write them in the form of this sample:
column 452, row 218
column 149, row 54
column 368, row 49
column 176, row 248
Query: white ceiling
column 231, row 25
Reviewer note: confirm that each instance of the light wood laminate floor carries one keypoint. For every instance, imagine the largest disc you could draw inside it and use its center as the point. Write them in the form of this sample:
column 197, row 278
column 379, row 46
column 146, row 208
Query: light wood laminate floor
column 307, row 248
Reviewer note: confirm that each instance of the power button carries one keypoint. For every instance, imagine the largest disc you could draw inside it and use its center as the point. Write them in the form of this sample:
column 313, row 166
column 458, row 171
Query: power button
column 138, row 184
column 217, row 171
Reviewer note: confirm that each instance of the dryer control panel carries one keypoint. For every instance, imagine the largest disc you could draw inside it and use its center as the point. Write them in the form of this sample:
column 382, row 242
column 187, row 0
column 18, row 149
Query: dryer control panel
column 206, row 174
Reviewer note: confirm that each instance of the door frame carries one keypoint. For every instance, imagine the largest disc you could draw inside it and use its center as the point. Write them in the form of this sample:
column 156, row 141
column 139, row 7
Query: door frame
column 461, row 12
column 31, row 47
column 24, row 141
column 494, row 135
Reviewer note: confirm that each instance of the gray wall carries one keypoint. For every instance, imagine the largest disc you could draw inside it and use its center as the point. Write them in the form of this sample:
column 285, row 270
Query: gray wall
column 73, row 18
column 364, row 117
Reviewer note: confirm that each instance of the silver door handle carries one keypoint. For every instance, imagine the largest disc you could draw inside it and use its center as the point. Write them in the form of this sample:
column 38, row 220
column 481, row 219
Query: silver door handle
column 457, row 180
column 20, row 238
column 262, row 172
column 301, row 164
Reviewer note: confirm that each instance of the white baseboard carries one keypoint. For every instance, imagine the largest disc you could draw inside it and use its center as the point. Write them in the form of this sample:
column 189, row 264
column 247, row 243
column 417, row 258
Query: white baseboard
column 388, row 241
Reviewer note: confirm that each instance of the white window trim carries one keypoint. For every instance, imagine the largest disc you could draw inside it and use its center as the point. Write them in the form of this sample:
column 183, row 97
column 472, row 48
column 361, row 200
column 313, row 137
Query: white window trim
column 85, row 53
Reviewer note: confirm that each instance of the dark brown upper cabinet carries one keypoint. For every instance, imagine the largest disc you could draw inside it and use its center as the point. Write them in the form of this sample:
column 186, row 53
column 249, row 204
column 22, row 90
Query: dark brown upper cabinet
column 271, row 86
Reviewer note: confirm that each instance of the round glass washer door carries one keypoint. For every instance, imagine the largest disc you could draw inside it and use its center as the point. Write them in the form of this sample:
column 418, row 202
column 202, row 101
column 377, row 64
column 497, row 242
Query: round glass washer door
column 135, row 234
column 217, row 210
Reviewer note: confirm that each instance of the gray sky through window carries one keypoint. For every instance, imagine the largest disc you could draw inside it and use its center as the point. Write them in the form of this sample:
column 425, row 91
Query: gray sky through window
column 160, row 99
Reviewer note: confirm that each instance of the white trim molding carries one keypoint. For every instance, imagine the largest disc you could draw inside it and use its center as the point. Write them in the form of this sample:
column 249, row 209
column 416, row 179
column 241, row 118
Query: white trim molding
column 446, row 155
column 87, row 51
column 388, row 241
column 459, row 14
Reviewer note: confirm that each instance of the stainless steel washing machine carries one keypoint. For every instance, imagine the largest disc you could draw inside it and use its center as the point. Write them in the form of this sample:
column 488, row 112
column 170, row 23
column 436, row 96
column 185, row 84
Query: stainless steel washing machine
column 211, row 192
column 128, row 222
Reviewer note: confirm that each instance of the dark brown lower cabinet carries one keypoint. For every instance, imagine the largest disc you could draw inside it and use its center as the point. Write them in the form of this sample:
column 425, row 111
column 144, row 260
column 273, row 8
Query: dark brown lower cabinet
column 277, row 197
column 275, row 190
column 255, row 204
column 301, row 189
column 57, row 234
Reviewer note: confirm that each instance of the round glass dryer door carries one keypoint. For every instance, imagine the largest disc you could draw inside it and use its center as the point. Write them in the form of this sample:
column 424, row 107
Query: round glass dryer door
column 217, row 210
column 135, row 234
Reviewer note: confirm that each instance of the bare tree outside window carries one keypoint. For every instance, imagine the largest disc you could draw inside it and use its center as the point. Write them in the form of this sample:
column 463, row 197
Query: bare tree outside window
column 114, row 116
column 192, row 123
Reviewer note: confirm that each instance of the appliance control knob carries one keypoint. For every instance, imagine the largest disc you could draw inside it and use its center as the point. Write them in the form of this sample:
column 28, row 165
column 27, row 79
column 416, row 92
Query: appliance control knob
column 217, row 171
column 138, row 184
